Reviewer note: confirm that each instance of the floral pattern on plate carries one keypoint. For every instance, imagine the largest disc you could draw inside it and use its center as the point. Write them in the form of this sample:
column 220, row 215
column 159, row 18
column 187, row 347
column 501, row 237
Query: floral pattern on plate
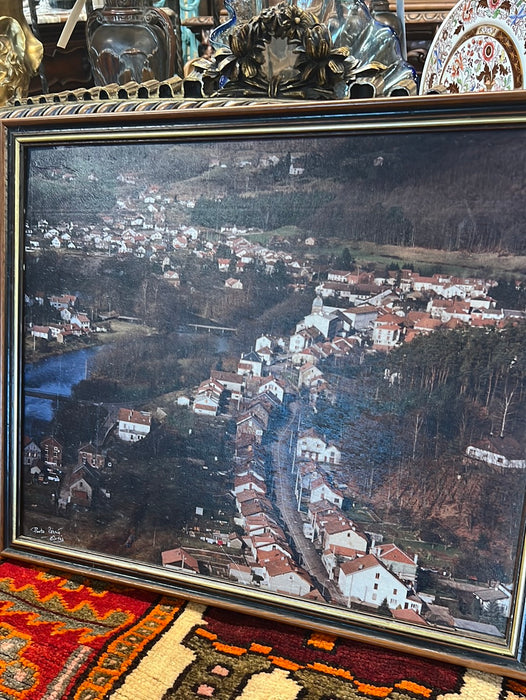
column 479, row 47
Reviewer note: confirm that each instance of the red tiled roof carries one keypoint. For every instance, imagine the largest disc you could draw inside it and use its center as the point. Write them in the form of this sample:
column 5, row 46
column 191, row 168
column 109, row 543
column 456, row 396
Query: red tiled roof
column 130, row 415
column 408, row 616
column 393, row 553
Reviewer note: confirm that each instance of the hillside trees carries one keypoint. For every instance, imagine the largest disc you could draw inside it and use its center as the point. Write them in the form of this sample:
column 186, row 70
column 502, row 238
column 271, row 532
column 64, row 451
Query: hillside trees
column 264, row 210
column 142, row 367
column 463, row 383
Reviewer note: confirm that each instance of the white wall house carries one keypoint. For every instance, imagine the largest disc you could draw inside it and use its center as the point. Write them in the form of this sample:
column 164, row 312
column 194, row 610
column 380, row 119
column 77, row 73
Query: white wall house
column 206, row 405
column 397, row 561
column 499, row 596
column 263, row 341
column 311, row 446
column 361, row 317
column 273, row 386
column 300, row 340
column 341, row 533
column 325, row 322
column 505, row 453
column 249, row 482
column 309, row 376
column 366, row 580
column 386, row 335
column 283, row 577
column 133, row 425
column 250, row 363
column 321, row 490
column 240, row 573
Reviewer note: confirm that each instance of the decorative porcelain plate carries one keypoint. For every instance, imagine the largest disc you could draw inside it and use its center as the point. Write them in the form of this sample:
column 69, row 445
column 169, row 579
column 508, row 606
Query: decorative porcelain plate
column 479, row 47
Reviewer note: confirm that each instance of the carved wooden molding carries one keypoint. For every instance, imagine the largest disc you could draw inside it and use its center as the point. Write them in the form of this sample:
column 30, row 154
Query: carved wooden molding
column 425, row 11
column 429, row 17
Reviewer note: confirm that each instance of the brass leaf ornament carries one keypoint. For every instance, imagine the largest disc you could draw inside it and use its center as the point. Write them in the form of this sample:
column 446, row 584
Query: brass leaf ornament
column 311, row 66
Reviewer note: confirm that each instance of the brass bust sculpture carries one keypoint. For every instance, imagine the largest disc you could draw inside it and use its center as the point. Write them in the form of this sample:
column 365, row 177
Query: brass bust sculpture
column 20, row 52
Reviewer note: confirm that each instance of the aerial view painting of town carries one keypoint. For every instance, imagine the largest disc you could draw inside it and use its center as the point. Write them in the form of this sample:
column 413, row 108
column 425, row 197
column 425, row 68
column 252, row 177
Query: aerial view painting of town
column 296, row 365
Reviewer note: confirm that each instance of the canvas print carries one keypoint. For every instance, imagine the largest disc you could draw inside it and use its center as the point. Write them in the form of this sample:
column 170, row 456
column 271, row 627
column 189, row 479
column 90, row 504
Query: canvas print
column 288, row 364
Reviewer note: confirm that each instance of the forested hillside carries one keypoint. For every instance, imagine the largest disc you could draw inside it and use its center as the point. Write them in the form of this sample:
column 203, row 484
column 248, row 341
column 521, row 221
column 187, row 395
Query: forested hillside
column 430, row 190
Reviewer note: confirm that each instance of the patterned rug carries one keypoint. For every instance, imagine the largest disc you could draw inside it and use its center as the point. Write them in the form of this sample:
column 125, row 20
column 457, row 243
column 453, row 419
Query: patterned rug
column 68, row 637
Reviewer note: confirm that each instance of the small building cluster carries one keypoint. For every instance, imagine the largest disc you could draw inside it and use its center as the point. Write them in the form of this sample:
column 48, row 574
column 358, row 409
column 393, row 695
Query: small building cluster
column 77, row 484
column 364, row 573
column 80, row 483
column 270, row 561
column 394, row 308
column 236, row 388
column 73, row 322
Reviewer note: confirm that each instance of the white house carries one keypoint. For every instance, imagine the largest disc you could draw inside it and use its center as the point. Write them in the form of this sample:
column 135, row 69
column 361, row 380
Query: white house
column 499, row 596
column 211, row 387
column 302, row 339
column 41, row 332
column 361, row 317
column 81, row 490
column 81, row 320
column 81, row 486
column 343, row 276
column 262, row 545
column 498, row 452
column 249, row 482
column 263, row 341
column 233, row 283
column 133, row 425
column 340, row 535
column 62, row 302
column 397, row 561
column 223, row 264
column 240, row 573
column 262, row 523
column 325, row 321
column 340, row 290
column 366, row 580
column 309, row 376
column 250, row 363
column 311, row 446
column 447, row 309
column 32, row 452
column 282, row 576
column 321, row 490
column 266, row 354
column 386, row 335
column 172, row 277
column 206, row 404
column 273, row 386
column 231, row 381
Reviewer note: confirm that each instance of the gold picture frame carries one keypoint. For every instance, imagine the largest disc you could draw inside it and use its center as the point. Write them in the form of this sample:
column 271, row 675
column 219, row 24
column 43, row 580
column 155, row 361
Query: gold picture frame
column 247, row 344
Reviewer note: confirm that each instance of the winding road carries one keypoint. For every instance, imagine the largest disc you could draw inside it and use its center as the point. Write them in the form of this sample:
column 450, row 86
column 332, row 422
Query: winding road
column 282, row 462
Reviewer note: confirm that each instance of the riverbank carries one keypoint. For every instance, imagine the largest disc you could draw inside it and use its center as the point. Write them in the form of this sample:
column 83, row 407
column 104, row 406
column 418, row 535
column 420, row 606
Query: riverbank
column 117, row 331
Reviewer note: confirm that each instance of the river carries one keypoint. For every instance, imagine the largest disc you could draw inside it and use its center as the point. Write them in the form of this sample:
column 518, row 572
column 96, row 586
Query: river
column 55, row 375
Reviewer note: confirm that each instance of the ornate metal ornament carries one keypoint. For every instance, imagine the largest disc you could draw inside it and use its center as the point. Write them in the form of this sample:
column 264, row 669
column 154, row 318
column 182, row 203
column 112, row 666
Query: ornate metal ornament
column 316, row 66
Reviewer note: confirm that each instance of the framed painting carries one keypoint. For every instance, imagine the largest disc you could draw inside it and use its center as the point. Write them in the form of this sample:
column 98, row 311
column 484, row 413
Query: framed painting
column 273, row 357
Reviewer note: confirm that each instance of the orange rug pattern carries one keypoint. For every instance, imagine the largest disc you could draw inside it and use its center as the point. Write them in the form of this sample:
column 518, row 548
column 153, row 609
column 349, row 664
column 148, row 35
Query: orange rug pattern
column 66, row 637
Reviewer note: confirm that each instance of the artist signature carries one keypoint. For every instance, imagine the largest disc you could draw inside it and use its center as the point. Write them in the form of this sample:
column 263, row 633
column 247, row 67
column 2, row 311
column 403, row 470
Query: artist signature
column 52, row 534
